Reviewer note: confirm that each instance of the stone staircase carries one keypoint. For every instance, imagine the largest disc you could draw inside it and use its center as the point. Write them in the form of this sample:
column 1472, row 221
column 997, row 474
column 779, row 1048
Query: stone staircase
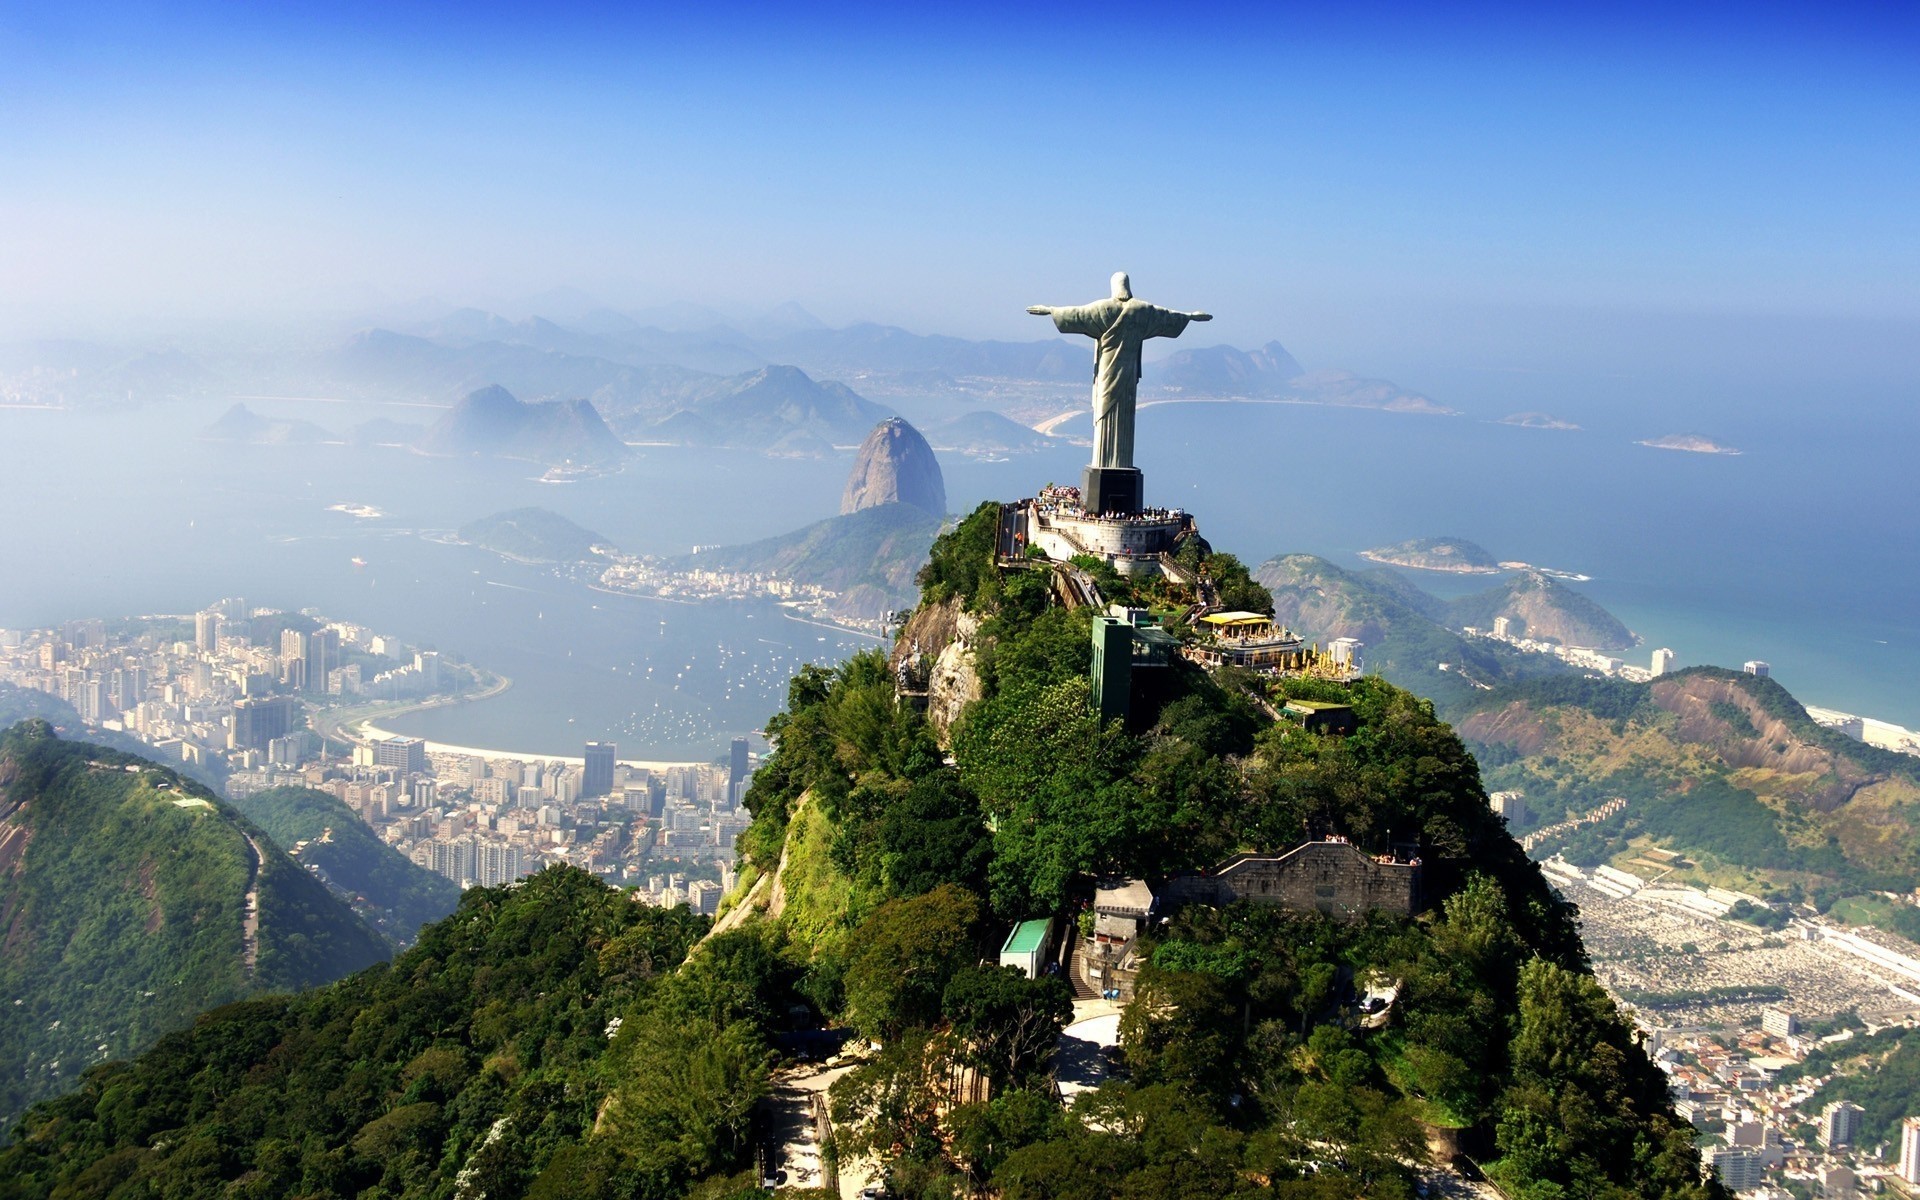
column 1077, row 972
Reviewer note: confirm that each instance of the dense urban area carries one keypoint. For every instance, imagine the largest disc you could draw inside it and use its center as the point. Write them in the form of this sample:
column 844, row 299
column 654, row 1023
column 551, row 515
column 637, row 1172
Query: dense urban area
column 253, row 699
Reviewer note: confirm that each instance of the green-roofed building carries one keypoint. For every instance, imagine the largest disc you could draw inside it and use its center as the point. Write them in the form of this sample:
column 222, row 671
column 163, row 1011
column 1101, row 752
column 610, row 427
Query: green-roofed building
column 1028, row 946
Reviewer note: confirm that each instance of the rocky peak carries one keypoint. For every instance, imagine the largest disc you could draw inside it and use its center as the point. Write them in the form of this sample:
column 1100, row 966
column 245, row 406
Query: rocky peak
column 895, row 465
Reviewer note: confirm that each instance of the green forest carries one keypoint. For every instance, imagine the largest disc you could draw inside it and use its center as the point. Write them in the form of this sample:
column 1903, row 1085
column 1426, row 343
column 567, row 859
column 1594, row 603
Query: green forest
column 123, row 896
column 388, row 892
column 553, row 1039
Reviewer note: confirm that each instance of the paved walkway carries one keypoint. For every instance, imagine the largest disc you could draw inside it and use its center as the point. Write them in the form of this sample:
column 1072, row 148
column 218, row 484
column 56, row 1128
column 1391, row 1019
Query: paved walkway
column 1080, row 1058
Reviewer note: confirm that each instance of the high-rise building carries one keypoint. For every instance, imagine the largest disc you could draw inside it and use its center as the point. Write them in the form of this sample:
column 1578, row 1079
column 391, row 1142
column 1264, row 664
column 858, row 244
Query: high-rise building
column 1755, row 666
column 598, row 778
column 1739, row 1167
column 1511, row 805
column 206, row 632
column 1503, row 627
column 323, row 657
column 404, row 754
column 427, row 663
column 1779, row 1022
column 1840, row 1124
column 1662, row 661
column 737, row 772
column 258, row 720
column 1909, row 1167
column 93, row 701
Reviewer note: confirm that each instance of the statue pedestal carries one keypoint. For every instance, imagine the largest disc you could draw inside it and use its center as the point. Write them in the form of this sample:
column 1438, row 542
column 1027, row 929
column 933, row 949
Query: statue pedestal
column 1112, row 490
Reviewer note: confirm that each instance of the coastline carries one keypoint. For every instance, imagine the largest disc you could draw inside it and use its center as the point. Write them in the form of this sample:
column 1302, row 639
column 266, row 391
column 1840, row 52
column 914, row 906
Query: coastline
column 1459, row 569
column 367, row 730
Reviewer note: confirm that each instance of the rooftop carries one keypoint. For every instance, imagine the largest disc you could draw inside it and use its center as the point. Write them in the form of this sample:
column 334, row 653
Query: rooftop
column 1027, row 937
column 1237, row 618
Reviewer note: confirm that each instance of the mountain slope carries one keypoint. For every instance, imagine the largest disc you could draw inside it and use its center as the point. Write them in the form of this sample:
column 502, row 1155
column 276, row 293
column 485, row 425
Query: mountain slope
column 752, row 411
column 987, row 433
column 1544, row 608
column 1722, row 766
column 387, row 891
column 124, row 897
column 869, row 557
column 242, row 424
column 492, row 420
column 541, row 1042
column 1227, row 371
column 1405, row 640
column 533, row 533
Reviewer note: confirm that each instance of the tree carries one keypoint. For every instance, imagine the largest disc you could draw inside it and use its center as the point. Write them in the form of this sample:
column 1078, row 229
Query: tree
column 901, row 957
column 1006, row 1023
column 1183, row 1027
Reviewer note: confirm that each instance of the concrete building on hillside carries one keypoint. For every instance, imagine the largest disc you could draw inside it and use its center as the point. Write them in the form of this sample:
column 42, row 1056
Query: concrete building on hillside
column 1662, row 662
column 1840, row 1124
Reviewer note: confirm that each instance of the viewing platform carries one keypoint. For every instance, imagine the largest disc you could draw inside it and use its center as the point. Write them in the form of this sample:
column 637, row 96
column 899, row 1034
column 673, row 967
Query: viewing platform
column 1133, row 543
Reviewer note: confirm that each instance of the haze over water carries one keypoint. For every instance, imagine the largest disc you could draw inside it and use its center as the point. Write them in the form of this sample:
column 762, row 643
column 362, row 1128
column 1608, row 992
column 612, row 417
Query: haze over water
column 1772, row 554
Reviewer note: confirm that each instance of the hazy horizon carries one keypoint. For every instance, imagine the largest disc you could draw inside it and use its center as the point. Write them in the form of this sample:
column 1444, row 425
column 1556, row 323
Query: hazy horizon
column 1377, row 185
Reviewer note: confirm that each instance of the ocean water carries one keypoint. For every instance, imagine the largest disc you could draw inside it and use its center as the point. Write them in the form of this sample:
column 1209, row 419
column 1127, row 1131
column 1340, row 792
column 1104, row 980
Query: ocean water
column 1800, row 551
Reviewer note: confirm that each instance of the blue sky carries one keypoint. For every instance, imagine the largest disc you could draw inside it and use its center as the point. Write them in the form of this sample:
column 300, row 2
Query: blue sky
column 1400, row 174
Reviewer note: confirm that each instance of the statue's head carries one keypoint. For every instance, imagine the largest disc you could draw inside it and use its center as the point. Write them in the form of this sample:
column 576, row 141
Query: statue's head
column 1122, row 286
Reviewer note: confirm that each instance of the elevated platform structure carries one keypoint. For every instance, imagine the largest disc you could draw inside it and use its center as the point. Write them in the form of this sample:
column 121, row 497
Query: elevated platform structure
column 1249, row 640
column 1132, row 542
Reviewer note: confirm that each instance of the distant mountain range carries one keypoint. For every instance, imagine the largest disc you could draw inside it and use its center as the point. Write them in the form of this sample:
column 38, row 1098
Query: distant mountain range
column 133, row 900
column 493, row 421
column 242, row 424
column 987, row 434
column 759, row 409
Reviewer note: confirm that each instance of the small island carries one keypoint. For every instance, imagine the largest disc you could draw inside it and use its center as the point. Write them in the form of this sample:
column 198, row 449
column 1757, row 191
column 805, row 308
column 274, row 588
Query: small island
column 1692, row 443
column 535, row 535
column 1535, row 420
column 1454, row 555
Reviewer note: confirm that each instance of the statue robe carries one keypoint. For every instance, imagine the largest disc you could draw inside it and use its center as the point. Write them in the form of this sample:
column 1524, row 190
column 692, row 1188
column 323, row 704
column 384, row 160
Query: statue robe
column 1119, row 327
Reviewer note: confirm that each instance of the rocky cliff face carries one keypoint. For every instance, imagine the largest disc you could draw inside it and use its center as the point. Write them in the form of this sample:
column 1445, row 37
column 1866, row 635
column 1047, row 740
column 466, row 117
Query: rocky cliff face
column 944, row 633
column 895, row 465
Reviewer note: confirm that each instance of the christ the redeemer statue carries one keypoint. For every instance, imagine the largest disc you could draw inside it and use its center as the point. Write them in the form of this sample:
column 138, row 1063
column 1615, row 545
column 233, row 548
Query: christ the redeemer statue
column 1119, row 325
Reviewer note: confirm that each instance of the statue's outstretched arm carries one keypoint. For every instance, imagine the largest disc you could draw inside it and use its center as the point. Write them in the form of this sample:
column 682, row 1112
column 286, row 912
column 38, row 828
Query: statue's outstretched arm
column 1040, row 310
column 1199, row 316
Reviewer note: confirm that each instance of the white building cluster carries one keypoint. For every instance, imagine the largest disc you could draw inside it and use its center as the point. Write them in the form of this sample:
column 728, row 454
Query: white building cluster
column 227, row 688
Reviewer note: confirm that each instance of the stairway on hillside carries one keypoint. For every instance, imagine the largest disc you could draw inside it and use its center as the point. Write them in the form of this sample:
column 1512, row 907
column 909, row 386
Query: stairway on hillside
column 1077, row 972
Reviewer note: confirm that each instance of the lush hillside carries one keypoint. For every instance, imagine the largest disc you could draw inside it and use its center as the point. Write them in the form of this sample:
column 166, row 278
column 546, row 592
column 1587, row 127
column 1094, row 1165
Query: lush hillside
column 1726, row 768
column 893, row 864
column 540, row 1043
column 868, row 556
column 1404, row 628
column 378, row 882
column 124, row 894
column 472, row 1066
column 538, row 534
column 1542, row 607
